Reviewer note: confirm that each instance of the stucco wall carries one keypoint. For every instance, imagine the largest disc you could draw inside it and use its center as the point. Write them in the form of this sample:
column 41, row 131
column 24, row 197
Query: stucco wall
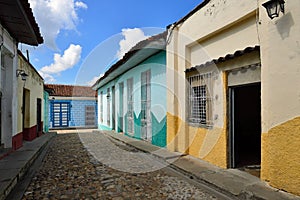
column 46, row 112
column 217, row 29
column 280, row 55
column 8, row 87
column 156, row 64
column 35, row 86
column 77, row 110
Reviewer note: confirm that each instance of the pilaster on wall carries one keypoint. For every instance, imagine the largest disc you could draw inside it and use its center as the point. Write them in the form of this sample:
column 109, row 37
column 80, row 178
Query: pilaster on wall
column 280, row 59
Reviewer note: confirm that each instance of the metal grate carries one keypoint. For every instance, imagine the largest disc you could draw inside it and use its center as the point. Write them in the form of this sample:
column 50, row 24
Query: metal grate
column 90, row 115
column 200, row 99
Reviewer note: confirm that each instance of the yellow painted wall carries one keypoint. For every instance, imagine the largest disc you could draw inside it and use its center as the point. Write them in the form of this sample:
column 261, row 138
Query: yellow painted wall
column 234, row 25
column 280, row 57
column 281, row 156
column 35, row 86
column 219, row 28
column 209, row 145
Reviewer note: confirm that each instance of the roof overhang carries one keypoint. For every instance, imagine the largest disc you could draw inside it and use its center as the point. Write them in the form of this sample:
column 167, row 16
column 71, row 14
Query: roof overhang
column 17, row 18
column 225, row 58
column 131, row 60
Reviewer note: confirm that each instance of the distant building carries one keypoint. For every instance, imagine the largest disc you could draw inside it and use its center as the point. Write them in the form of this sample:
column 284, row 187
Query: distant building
column 233, row 81
column 132, row 93
column 18, row 25
column 72, row 106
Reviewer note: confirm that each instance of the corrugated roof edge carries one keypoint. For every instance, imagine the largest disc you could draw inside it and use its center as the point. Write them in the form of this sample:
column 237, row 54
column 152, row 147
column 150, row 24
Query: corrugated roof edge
column 225, row 58
column 32, row 20
column 130, row 53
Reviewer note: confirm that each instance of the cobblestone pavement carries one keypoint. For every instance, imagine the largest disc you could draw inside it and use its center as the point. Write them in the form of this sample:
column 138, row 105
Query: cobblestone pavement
column 95, row 170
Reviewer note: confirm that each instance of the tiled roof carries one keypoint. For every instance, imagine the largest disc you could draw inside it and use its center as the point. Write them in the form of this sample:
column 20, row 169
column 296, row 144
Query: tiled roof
column 71, row 90
column 17, row 17
column 140, row 45
column 225, row 58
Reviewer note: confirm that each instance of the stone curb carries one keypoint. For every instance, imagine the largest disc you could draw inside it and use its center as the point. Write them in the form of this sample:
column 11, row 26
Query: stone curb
column 229, row 181
column 30, row 150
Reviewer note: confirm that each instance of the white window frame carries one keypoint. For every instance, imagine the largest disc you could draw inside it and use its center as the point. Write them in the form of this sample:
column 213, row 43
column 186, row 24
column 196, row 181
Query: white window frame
column 130, row 110
column 101, row 107
column 108, row 107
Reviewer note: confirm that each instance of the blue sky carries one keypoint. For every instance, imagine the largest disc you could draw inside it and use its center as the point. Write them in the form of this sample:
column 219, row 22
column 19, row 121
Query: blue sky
column 84, row 37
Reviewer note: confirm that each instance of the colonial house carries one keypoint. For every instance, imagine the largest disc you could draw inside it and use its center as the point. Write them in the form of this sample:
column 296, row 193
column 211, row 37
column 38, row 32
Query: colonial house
column 30, row 101
column 18, row 25
column 72, row 106
column 132, row 93
column 233, row 81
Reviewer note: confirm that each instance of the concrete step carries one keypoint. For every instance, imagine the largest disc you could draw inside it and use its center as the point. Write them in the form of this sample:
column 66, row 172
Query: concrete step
column 14, row 166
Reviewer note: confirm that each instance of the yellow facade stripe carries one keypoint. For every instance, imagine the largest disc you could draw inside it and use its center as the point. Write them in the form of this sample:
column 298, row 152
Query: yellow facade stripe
column 281, row 156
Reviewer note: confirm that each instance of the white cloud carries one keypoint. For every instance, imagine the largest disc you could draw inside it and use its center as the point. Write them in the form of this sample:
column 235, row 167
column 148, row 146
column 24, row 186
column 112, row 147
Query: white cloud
column 131, row 38
column 47, row 77
column 80, row 4
column 93, row 80
column 63, row 62
column 55, row 15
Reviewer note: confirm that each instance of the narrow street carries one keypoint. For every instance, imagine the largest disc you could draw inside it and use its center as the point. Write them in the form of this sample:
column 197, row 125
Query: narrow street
column 92, row 166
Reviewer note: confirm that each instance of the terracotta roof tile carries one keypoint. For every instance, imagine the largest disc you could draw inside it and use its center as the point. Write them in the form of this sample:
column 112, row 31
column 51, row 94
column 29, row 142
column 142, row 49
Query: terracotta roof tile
column 71, row 90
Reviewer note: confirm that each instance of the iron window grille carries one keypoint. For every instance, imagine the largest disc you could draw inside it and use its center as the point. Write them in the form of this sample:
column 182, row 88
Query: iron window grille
column 90, row 115
column 200, row 99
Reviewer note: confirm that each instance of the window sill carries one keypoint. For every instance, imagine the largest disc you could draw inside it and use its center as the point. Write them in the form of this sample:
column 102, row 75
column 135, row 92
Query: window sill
column 197, row 125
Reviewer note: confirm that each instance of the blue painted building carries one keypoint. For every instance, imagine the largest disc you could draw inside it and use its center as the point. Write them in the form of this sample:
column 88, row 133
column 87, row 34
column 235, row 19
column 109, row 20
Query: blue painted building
column 132, row 93
column 72, row 107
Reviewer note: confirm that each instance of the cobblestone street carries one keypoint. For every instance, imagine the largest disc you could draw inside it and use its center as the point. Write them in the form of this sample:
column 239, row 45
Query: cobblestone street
column 99, row 169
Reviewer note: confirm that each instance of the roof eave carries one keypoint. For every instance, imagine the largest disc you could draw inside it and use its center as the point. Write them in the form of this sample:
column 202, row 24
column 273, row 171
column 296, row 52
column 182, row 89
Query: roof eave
column 156, row 45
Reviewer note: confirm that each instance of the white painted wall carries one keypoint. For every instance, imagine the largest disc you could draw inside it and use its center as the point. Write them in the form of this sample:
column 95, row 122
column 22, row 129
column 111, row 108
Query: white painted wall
column 8, row 87
column 219, row 28
column 280, row 55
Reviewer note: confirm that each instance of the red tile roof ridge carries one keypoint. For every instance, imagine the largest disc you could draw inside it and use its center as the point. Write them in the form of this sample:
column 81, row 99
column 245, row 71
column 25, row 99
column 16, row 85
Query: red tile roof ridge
column 71, row 90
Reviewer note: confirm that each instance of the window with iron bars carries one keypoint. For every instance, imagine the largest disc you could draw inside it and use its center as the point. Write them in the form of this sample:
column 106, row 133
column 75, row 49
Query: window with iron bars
column 200, row 99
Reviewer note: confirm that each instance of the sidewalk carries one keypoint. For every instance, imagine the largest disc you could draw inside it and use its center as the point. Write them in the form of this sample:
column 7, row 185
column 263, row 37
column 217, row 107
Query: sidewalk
column 233, row 181
column 14, row 166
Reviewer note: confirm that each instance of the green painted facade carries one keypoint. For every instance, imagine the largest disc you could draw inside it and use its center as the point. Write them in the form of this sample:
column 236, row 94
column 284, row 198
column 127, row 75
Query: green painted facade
column 156, row 65
column 46, row 112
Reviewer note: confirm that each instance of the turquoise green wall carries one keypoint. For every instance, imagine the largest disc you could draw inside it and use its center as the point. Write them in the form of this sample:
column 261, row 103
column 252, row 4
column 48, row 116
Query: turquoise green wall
column 46, row 112
column 157, row 66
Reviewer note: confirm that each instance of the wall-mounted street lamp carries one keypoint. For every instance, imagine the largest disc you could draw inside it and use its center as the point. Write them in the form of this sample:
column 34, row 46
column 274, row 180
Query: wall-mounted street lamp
column 22, row 73
column 273, row 7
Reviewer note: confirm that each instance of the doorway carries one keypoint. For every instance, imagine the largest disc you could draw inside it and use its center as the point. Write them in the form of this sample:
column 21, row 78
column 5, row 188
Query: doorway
column 1, row 146
column 60, row 113
column 113, row 108
column 146, row 106
column 39, row 116
column 245, row 125
column 121, row 101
